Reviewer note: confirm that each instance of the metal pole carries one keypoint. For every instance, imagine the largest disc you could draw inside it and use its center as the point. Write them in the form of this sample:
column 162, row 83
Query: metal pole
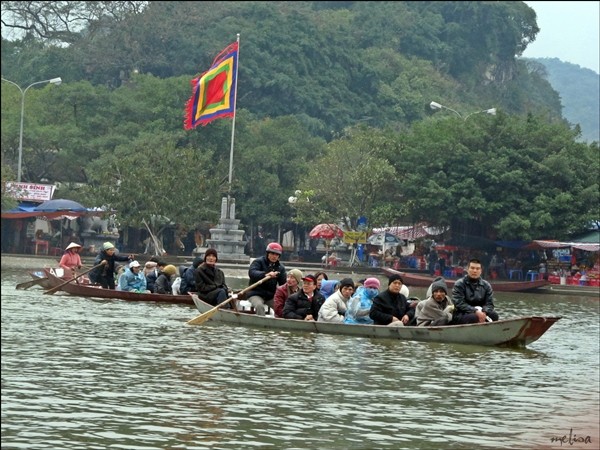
column 57, row 81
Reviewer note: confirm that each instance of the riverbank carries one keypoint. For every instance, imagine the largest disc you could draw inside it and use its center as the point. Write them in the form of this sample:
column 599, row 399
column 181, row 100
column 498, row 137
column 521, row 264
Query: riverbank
column 25, row 261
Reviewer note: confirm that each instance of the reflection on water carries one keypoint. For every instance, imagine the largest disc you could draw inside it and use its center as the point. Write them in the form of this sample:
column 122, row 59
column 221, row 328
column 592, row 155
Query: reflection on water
column 89, row 373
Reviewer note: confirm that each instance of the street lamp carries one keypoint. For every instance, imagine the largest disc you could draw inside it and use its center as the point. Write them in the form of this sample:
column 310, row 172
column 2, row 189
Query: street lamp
column 436, row 106
column 56, row 81
column 292, row 201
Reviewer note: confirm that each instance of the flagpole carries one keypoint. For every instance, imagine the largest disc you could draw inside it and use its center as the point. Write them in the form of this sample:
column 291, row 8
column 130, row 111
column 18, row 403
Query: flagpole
column 233, row 121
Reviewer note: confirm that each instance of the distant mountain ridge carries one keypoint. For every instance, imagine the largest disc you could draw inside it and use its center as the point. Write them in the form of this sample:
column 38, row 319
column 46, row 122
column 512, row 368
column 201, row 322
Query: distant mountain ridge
column 579, row 90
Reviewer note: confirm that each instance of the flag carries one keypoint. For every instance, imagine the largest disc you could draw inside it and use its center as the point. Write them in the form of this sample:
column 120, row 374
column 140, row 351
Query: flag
column 214, row 93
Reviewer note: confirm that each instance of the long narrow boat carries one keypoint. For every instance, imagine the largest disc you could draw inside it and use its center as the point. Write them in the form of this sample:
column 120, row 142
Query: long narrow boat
column 416, row 280
column 87, row 290
column 517, row 332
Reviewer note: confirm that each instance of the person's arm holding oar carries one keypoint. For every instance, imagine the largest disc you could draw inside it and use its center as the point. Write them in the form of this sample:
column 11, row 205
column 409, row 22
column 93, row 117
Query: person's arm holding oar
column 211, row 312
column 56, row 288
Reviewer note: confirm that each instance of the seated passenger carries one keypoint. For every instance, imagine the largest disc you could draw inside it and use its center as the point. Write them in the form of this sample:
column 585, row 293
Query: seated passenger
column 304, row 304
column 391, row 307
column 292, row 285
column 473, row 297
column 152, row 275
column 328, row 287
column 335, row 306
column 133, row 279
column 359, row 305
column 437, row 309
column 164, row 282
column 210, row 280
column 188, row 278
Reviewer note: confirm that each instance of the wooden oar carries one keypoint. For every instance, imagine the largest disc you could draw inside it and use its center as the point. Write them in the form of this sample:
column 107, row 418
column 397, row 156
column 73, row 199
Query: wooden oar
column 56, row 288
column 28, row 284
column 211, row 312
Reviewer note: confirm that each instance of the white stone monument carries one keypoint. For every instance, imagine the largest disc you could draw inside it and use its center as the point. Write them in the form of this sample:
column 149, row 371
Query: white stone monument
column 226, row 238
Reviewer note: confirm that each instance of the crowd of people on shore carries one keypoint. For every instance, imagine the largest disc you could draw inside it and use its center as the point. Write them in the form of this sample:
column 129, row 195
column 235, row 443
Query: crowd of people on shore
column 292, row 295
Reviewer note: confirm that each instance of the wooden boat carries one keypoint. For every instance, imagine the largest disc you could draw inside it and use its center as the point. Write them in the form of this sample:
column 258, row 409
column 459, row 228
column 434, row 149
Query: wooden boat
column 87, row 290
column 415, row 280
column 517, row 332
column 40, row 275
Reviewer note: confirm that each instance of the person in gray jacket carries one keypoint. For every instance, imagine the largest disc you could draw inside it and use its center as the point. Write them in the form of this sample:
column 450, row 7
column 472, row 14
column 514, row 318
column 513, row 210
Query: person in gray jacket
column 437, row 309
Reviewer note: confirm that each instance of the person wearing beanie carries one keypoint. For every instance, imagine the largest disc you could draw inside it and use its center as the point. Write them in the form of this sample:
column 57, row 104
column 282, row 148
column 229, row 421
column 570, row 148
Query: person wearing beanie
column 104, row 273
column 429, row 291
column 165, row 280
column 335, row 306
column 293, row 285
column 473, row 297
column 210, row 280
column 390, row 307
column 359, row 305
column 266, row 266
column 437, row 309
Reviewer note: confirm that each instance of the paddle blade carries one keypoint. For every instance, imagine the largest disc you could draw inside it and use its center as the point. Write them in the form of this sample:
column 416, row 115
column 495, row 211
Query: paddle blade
column 28, row 284
column 203, row 317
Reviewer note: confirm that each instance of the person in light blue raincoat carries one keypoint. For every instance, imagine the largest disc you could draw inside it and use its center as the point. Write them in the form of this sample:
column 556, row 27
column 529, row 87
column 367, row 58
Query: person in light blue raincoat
column 359, row 305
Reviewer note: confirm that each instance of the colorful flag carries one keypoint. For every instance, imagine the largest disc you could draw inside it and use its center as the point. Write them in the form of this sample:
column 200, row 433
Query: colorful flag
column 214, row 93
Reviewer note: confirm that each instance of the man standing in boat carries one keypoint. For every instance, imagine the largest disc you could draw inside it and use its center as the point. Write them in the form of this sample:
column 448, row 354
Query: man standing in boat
column 473, row 297
column 266, row 266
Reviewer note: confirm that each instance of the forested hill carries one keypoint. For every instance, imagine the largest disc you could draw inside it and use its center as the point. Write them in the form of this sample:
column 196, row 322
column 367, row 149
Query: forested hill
column 332, row 64
column 579, row 90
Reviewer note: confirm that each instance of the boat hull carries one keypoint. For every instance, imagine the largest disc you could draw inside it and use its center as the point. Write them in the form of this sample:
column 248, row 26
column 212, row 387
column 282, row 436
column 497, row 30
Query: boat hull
column 517, row 332
column 86, row 290
column 415, row 280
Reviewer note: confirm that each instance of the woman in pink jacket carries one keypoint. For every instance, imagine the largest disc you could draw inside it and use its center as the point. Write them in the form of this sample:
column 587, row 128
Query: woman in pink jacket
column 71, row 260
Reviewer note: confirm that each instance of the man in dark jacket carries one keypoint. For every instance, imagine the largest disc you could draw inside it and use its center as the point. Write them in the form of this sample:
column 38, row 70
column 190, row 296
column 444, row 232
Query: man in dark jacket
column 473, row 297
column 266, row 266
column 391, row 307
column 306, row 303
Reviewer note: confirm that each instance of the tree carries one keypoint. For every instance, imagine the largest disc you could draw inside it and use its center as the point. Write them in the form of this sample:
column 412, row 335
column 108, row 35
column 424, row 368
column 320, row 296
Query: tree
column 351, row 178
column 502, row 177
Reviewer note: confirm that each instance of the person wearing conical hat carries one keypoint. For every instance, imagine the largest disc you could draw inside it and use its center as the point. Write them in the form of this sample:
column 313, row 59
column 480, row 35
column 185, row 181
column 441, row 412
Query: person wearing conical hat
column 71, row 260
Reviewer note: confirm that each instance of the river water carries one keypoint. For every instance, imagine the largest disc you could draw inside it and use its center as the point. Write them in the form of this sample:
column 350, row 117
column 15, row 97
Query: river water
column 82, row 373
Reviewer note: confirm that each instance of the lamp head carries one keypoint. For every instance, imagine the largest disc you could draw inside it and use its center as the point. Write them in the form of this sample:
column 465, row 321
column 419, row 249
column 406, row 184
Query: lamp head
column 57, row 81
column 435, row 105
column 491, row 111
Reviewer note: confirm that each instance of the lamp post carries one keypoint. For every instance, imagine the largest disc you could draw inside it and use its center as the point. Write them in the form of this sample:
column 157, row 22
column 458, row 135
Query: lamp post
column 292, row 201
column 436, row 106
column 56, row 81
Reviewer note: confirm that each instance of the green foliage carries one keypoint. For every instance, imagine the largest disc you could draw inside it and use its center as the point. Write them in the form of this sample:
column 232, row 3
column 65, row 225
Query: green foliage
column 333, row 101
column 348, row 181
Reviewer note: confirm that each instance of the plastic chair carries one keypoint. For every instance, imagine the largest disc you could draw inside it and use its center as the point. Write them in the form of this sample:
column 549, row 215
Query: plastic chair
column 518, row 274
column 532, row 275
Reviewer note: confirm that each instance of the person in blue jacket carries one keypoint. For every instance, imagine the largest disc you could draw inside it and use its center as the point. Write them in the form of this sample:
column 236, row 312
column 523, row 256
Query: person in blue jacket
column 359, row 305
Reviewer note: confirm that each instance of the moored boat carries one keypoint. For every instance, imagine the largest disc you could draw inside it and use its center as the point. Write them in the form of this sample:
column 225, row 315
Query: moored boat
column 416, row 280
column 517, row 332
column 87, row 290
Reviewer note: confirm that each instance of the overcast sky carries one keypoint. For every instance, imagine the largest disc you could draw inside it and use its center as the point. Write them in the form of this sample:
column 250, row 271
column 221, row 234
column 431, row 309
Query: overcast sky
column 569, row 31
